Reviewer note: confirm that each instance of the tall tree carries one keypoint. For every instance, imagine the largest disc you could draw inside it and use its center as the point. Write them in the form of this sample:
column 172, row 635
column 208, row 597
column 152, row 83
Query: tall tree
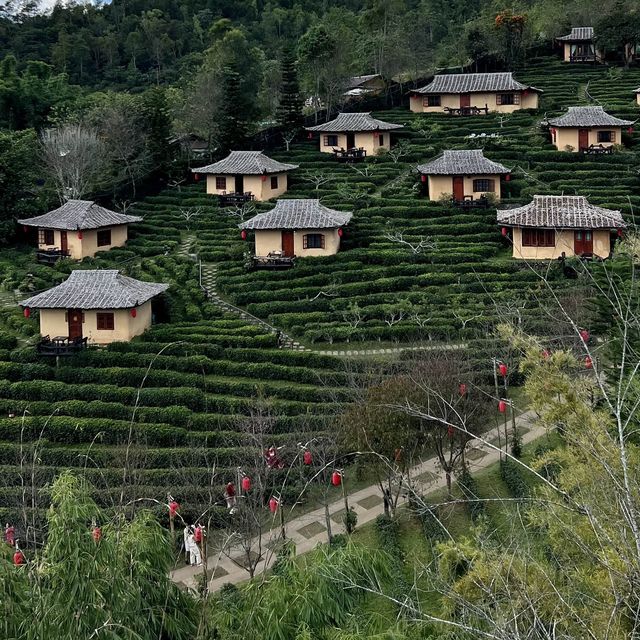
column 74, row 157
column 289, row 112
column 619, row 31
column 158, row 126
column 234, row 124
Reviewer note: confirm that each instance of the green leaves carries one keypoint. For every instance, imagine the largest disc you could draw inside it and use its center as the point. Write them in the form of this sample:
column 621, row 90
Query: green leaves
column 75, row 587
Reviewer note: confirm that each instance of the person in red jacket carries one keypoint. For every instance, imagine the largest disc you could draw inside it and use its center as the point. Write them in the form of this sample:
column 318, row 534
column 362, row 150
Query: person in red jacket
column 230, row 496
column 9, row 535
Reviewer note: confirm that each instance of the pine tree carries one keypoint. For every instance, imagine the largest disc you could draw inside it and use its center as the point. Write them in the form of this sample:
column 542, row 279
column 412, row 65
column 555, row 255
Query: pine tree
column 158, row 129
column 289, row 112
column 234, row 123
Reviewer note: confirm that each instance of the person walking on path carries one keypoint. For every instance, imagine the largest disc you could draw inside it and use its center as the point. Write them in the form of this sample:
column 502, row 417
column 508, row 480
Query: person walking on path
column 230, row 497
column 10, row 535
column 195, row 558
column 185, row 541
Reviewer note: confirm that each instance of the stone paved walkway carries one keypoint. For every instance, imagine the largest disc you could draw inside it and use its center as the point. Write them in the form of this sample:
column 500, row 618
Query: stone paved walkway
column 308, row 530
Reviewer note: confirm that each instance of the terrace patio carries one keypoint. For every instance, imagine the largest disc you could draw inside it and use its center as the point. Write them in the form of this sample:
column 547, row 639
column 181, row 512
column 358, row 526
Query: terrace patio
column 60, row 346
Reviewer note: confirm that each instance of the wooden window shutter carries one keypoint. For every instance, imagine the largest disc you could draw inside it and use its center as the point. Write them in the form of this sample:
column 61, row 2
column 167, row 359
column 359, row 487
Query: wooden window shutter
column 498, row 98
column 305, row 241
column 516, row 98
column 491, row 185
column 322, row 240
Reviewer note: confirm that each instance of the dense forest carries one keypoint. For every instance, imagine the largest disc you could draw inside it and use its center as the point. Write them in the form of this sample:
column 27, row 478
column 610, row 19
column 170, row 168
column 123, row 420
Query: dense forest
column 141, row 74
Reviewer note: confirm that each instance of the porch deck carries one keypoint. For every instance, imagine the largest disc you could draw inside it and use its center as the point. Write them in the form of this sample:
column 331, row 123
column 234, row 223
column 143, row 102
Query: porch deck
column 273, row 261
column 597, row 149
column 467, row 111
column 583, row 57
column 60, row 346
column 468, row 203
column 350, row 155
column 51, row 256
column 232, row 199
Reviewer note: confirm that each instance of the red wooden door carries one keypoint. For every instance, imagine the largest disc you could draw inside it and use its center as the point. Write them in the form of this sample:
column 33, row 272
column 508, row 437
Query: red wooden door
column 287, row 244
column 583, row 242
column 351, row 140
column 583, row 138
column 64, row 245
column 465, row 100
column 458, row 188
column 74, row 319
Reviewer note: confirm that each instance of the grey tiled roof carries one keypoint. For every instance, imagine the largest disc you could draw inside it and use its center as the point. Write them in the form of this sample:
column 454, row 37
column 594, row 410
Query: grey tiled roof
column 468, row 162
column 79, row 214
column 588, row 117
column 298, row 213
column 474, row 83
column 246, row 163
column 355, row 122
column 96, row 289
column 357, row 81
column 578, row 34
column 561, row 212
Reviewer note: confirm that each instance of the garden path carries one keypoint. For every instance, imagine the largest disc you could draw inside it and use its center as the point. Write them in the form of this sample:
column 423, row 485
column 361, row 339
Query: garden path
column 208, row 277
column 308, row 530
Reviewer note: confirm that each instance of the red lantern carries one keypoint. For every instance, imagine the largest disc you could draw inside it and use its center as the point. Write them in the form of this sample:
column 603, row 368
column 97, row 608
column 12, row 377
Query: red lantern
column 462, row 389
column 508, row 177
column 173, row 508
column 96, row 534
column 423, row 178
column 619, row 233
column 79, row 235
column 336, row 478
column 588, row 363
column 309, row 136
column 133, row 312
column 246, row 483
column 243, row 234
column 196, row 176
column 630, row 130
column 263, row 178
column 450, row 431
column 197, row 534
column 502, row 406
column 504, row 231
column 18, row 558
column 273, row 504
column 502, row 368
column 307, row 457
column 27, row 312
column 584, row 334
column 340, row 232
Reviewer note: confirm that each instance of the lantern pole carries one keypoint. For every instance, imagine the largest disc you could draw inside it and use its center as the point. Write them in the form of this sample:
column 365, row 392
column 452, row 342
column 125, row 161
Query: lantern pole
column 506, row 430
column 172, row 527
column 494, row 362
column 513, row 421
column 344, row 497
column 283, row 533
column 203, row 553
